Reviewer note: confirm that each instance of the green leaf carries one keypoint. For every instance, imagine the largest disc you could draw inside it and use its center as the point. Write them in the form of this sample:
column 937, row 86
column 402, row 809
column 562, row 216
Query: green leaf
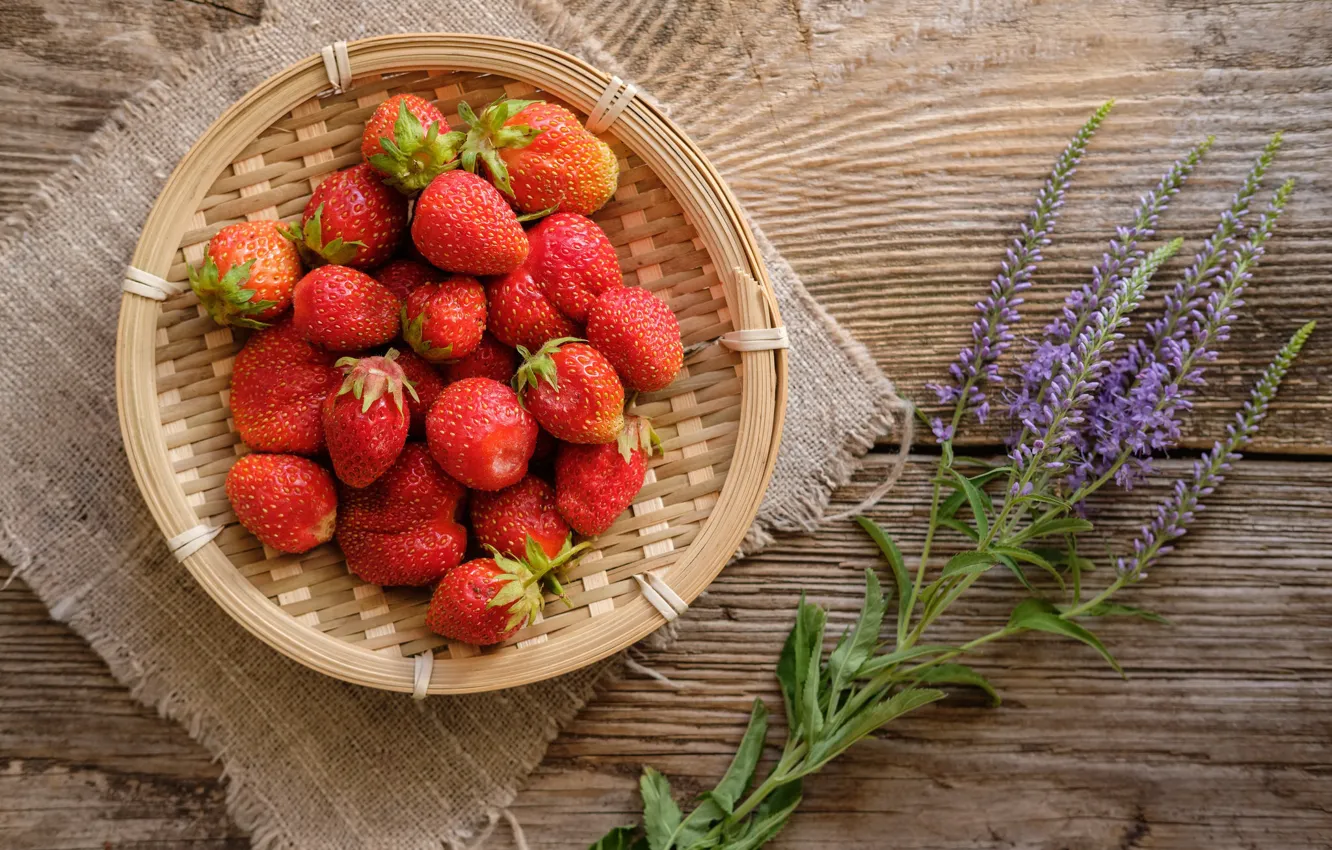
column 968, row 564
column 1057, row 525
column 810, row 676
column 1114, row 609
column 1040, row 615
column 661, row 817
column 854, row 651
column 1016, row 571
column 1033, row 558
column 865, row 721
column 958, row 674
column 893, row 556
column 946, row 454
column 949, row 506
column 879, row 663
column 978, row 501
column 620, row 838
column 961, row 528
column 741, row 771
column 794, row 663
column 769, row 818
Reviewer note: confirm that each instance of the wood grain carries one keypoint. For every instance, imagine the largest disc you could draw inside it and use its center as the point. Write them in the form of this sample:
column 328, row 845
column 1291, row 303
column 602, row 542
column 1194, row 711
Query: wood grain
column 915, row 161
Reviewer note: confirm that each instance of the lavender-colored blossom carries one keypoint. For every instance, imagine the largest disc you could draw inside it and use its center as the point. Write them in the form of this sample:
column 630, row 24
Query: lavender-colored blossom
column 1075, row 378
column 1173, row 516
column 991, row 333
column 1147, row 417
column 1123, row 254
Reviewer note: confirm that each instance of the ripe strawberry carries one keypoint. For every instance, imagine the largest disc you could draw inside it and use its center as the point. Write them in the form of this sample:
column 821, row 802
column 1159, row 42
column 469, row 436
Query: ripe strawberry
column 480, row 434
column 286, row 501
column 247, row 275
column 573, row 391
column 487, row 600
column 404, row 276
column 428, row 384
column 519, row 314
column 595, row 484
column 490, row 359
column 463, row 225
column 344, row 309
column 506, row 520
column 278, row 385
column 573, row 262
column 444, row 321
column 366, row 419
column 639, row 335
column 541, row 155
column 352, row 219
column 408, row 141
column 403, row 529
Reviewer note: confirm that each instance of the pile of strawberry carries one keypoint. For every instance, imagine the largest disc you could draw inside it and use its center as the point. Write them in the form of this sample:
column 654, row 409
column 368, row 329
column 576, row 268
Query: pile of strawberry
column 400, row 379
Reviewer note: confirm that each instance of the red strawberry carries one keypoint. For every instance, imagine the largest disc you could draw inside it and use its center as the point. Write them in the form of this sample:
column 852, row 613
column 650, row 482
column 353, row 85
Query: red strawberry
column 444, row 321
column 540, row 154
column 573, row 391
column 573, row 262
column 404, row 276
column 639, row 335
column 247, row 275
column 408, row 141
column 595, row 484
column 505, row 520
column 366, row 419
column 403, row 529
column 487, row 600
column 278, row 385
column 344, row 309
column 519, row 314
column 490, row 359
column 463, row 225
column 286, row 501
column 480, row 434
column 428, row 384
column 352, row 219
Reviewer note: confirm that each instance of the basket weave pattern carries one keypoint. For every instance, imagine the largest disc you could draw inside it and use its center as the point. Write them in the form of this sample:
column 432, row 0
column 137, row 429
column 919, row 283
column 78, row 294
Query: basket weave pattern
column 697, row 417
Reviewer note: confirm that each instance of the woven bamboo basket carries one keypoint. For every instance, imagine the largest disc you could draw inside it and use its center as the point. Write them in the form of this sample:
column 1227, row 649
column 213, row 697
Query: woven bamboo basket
column 678, row 232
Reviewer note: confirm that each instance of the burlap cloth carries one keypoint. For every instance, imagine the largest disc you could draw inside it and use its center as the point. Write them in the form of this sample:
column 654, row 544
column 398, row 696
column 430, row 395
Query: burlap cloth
column 312, row 762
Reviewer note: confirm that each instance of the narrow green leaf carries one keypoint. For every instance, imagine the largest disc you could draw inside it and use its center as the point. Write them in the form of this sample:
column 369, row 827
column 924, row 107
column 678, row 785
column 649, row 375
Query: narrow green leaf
column 946, row 454
column 769, row 818
column 786, row 673
column 1016, row 571
column 810, row 675
column 661, row 816
column 967, row 564
column 879, row 663
column 620, row 838
column 1114, row 609
column 1058, row 525
column 741, row 771
column 1040, row 615
column 948, row 507
column 1033, row 558
column 864, row 722
column 958, row 674
column 961, row 528
column 978, row 501
column 893, row 556
column 853, row 652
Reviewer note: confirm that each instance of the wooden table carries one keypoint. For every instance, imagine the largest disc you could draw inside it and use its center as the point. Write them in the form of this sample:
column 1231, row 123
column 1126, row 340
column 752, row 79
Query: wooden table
column 895, row 215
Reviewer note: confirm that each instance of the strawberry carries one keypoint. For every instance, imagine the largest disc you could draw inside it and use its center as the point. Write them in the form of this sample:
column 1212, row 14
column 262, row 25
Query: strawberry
column 540, row 155
column 278, row 384
column 404, row 276
column 286, row 501
column 409, row 142
column 444, row 321
column 507, row 519
column 428, row 384
column 366, row 419
column 247, row 275
column 639, row 335
column 520, row 314
column 344, row 309
column 480, row 434
column 463, row 225
column 573, row 262
column 595, row 484
column 490, row 359
column 573, row 391
column 403, row 529
column 352, row 219
column 487, row 600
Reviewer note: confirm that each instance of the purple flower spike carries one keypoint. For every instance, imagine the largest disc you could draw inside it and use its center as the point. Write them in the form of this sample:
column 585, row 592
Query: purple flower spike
column 991, row 333
column 1173, row 516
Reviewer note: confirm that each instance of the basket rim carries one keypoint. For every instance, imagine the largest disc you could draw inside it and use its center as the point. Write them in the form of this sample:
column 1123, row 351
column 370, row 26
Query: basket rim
column 675, row 159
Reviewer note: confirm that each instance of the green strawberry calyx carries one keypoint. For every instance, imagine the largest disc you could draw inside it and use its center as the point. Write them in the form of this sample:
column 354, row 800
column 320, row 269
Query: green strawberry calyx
column 369, row 379
column 309, row 239
column 637, row 434
column 522, row 579
column 539, row 366
column 226, row 297
column 413, row 332
column 487, row 136
column 416, row 155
